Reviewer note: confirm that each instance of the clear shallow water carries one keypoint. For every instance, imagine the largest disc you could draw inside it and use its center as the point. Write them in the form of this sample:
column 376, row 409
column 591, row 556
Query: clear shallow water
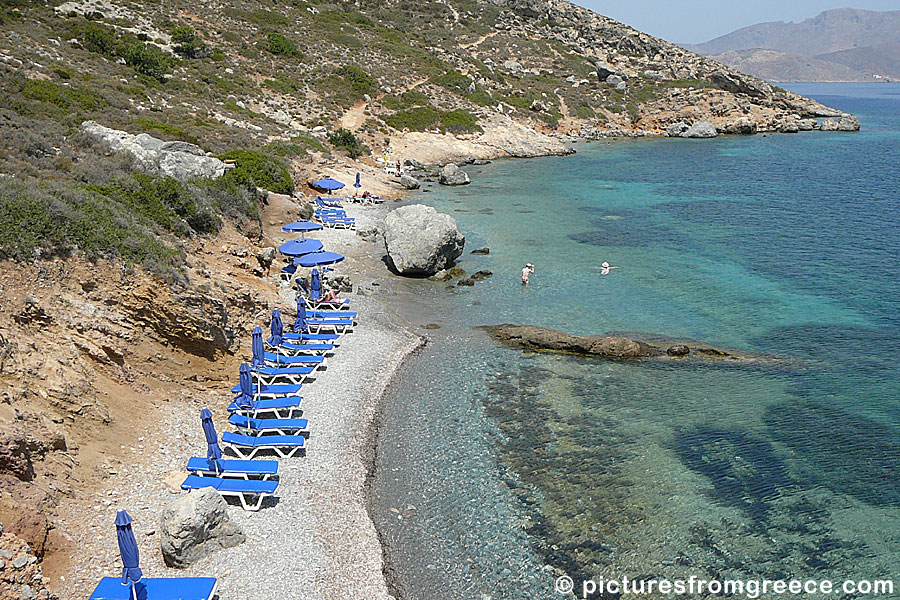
column 495, row 467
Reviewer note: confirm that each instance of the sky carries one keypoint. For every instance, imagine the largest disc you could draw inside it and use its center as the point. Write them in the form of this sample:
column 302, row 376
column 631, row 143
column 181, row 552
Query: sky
column 695, row 21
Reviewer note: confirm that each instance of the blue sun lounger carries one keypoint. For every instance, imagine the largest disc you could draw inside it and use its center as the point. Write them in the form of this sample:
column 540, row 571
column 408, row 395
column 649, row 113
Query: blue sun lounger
column 246, row 446
column 241, row 469
column 292, row 375
column 248, row 426
column 280, row 360
column 330, row 314
column 275, row 390
column 251, row 492
column 312, row 338
column 282, row 408
column 292, row 348
column 169, row 588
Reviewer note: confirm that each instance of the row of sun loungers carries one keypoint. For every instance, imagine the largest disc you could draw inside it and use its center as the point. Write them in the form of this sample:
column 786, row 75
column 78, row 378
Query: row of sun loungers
column 265, row 412
column 331, row 214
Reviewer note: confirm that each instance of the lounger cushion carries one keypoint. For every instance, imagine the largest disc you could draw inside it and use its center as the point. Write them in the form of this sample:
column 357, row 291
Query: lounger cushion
column 234, row 486
column 267, row 441
column 170, row 588
column 268, row 404
column 264, row 424
column 248, row 467
column 274, row 388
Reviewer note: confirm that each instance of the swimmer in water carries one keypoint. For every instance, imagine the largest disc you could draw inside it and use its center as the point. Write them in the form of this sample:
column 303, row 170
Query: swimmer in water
column 605, row 268
column 526, row 271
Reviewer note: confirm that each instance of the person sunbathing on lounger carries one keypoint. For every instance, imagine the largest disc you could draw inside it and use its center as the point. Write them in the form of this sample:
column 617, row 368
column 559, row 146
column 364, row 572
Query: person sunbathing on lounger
column 331, row 297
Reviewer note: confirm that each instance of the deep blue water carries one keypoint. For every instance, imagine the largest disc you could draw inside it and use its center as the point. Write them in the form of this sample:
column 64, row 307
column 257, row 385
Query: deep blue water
column 499, row 470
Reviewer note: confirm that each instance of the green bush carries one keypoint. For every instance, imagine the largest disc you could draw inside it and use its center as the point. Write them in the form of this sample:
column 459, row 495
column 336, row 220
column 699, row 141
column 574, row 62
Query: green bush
column 278, row 44
column 481, row 97
column 414, row 119
column 99, row 38
column 165, row 128
column 285, row 149
column 281, row 84
column 460, row 121
column 360, row 82
column 345, row 139
column 188, row 44
column 259, row 170
column 453, row 81
column 148, row 60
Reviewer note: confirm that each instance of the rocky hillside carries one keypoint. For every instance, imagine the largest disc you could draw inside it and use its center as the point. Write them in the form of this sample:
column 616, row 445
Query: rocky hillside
column 837, row 45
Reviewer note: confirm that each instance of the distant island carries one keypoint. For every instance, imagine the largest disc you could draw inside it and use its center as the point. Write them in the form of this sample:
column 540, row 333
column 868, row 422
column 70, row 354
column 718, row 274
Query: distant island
column 843, row 44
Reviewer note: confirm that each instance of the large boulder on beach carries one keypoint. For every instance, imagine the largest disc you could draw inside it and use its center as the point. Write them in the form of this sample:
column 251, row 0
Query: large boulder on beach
column 409, row 182
column 196, row 525
column 420, row 241
column 452, row 175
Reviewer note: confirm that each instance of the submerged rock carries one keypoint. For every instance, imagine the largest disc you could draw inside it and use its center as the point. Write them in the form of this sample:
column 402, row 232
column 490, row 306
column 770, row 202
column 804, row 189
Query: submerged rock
column 421, row 241
column 477, row 276
column 531, row 337
column 484, row 250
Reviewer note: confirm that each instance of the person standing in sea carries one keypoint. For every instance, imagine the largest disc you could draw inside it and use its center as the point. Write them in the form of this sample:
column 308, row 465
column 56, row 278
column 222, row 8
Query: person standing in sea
column 526, row 271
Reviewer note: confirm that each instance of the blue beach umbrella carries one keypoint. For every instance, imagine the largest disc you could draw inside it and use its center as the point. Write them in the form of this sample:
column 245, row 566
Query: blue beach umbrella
column 315, row 285
column 213, row 451
column 328, row 184
column 314, row 259
column 302, row 227
column 357, row 184
column 128, row 550
column 245, row 398
column 277, row 329
column 259, row 352
column 300, row 324
column 300, row 247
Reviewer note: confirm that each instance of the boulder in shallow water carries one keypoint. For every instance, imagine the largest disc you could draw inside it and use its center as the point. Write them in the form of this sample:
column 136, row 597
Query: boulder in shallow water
column 848, row 123
column 408, row 182
column 531, row 337
column 452, row 175
column 678, row 350
column 676, row 129
column 700, row 129
column 421, row 241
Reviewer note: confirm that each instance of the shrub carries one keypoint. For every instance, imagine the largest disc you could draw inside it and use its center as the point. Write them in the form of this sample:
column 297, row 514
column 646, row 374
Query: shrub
column 285, row 149
column 482, row 98
column 460, row 121
column 148, row 60
column 346, row 140
column 188, row 44
column 281, row 84
column 414, row 98
column 360, row 82
column 259, row 170
column 453, row 81
column 278, row 44
column 165, row 128
column 414, row 119
column 98, row 38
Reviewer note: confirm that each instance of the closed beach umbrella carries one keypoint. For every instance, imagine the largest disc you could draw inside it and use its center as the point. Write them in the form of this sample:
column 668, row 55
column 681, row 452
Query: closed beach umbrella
column 302, row 227
column 128, row 550
column 357, row 184
column 300, row 247
column 318, row 259
column 245, row 399
column 315, row 285
column 259, row 352
column 328, row 184
column 300, row 325
column 277, row 329
column 213, row 451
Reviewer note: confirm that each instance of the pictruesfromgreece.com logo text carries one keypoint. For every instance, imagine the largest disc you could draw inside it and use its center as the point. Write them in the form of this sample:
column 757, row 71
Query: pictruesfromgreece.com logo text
column 748, row 588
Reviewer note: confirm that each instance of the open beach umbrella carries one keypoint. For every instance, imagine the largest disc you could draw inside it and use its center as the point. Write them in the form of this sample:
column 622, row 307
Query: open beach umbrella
column 319, row 259
column 300, row 247
column 302, row 227
column 128, row 550
column 245, row 398
column 213, row 451
column 315, row 285
column 357, row 184
column 277, row 328
column 259, row 352
column 328, row 184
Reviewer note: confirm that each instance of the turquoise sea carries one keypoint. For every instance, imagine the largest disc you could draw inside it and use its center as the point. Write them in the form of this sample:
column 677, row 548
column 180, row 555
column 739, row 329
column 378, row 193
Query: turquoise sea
column 498, row 470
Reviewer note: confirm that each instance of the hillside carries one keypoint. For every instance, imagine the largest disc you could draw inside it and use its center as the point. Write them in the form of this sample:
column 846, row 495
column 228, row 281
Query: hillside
column 838, row 45
column 775, row 65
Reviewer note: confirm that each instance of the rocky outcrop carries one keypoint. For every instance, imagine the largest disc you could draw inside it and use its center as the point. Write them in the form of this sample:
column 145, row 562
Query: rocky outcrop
column 530, row 337
column 21, row 576
column 421, row 241
column 196, row 525
column 452, row 175
column 701, row 129
column 180, row 160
